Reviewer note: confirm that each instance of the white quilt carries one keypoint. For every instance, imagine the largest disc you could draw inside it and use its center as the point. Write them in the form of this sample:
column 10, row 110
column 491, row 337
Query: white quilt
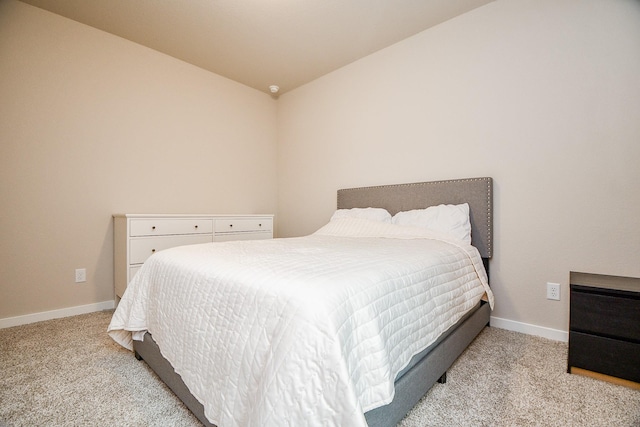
column 306, row 331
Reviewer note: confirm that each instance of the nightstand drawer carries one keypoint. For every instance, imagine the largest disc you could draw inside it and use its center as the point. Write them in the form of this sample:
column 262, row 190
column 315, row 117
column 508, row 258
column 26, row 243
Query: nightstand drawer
column 604, row 355
column 243, row 225
column 142, row 248
column 164, row 226
column 609, row 315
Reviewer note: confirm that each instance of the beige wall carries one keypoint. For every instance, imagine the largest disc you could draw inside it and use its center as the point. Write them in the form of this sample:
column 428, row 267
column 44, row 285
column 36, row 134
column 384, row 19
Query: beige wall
column 542, row 95
column 91, row 125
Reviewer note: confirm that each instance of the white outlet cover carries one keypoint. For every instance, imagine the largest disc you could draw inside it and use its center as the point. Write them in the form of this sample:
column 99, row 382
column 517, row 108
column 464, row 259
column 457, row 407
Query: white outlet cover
column 81, row 275
column 553, row 291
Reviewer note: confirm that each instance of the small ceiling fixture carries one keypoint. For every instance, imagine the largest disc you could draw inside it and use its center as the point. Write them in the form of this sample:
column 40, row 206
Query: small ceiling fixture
column 274, row 89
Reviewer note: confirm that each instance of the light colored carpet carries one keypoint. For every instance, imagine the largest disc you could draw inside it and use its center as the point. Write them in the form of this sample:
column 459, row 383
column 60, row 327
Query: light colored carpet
column 68, row 372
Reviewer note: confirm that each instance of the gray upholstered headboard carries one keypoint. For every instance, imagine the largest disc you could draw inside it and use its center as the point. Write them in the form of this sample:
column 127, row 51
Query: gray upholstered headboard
column 403, row 197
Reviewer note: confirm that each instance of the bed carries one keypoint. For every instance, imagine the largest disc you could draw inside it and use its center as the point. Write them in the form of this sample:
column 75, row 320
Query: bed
column 412, row 376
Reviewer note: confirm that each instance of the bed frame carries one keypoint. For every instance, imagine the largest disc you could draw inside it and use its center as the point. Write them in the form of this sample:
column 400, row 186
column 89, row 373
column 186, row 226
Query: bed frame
column 429, row 366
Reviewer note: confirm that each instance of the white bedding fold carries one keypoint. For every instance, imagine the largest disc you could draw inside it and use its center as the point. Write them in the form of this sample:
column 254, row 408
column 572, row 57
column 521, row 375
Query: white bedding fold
column 304, row 331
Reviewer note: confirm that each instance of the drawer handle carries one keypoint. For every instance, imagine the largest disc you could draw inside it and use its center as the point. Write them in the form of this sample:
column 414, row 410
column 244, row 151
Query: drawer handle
column 153, row 250
column 196, row 226
column 259, row 225
column 230, row 225
column 153, row 227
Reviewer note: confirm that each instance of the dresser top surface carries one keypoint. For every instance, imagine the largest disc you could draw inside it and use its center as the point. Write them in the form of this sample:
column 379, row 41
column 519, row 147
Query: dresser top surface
column 621, row 283
column 121, row 215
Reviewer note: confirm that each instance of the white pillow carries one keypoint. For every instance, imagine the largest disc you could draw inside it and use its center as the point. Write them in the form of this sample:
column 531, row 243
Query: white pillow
column 372, row 214
column 449, row 219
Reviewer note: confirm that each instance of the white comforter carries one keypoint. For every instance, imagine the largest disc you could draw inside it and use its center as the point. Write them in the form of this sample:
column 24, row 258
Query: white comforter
column 306, row 331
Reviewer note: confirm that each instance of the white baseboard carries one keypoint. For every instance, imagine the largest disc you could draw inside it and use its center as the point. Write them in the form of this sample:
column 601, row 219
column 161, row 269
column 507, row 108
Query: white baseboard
column 526, row 328
column 8, row 322
column 497, row 322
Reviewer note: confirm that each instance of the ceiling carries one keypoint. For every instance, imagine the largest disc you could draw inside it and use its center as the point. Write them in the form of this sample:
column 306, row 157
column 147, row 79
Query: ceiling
column 261, row 43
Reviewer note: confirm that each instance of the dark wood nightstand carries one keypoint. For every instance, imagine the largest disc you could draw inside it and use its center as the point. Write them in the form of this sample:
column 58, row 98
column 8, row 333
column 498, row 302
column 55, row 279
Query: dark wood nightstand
column 604, row 328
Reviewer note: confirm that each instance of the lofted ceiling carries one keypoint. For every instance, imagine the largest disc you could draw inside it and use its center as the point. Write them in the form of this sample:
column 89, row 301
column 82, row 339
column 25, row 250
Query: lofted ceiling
column 261, row 43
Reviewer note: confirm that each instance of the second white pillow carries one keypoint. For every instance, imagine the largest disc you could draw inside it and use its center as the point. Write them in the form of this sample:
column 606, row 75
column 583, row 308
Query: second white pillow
column 449, row 219
column 372, row 214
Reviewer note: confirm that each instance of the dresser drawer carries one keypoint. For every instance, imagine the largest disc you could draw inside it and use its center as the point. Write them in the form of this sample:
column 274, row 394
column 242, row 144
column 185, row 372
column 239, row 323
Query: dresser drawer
column 133, row 270
column 164, row 226
column 137, row 236
column 227, row 237
column 243, row 225
column 605, row 355
column 142, row 248
column 610, row 315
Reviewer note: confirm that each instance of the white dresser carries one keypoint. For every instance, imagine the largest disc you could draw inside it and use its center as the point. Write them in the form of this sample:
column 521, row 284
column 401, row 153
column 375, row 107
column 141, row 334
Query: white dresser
column 138, row 236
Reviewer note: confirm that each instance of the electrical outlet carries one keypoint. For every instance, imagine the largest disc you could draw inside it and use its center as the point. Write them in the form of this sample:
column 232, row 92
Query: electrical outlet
column 81, row 275
column 553, row 291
